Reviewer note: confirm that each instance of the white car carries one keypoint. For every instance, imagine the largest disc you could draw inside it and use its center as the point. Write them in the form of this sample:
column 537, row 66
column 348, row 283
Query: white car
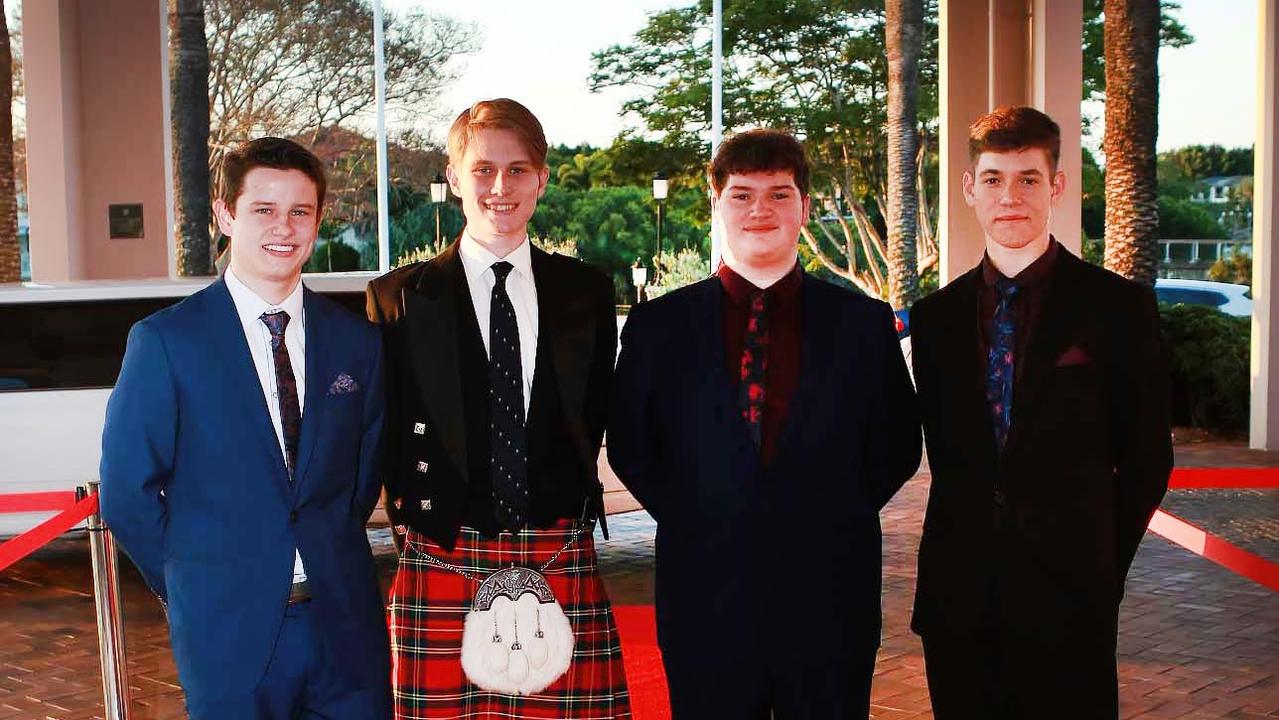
column 1229, row 298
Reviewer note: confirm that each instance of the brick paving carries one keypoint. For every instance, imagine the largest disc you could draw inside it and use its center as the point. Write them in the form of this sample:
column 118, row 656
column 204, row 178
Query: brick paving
column 1196, row 641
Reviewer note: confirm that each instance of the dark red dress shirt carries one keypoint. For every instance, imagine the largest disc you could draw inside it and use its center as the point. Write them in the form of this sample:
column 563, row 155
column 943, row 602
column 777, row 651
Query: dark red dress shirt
column 1032, row 284
column 785, row 331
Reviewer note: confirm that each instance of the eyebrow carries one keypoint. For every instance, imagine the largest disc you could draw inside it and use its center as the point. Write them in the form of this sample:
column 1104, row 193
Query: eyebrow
column 268, row 203
column 992, row 171
column 770, row 187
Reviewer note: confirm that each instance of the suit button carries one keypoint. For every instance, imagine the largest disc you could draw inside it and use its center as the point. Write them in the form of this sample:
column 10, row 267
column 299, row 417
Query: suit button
column 999, row 498
column 293, row 516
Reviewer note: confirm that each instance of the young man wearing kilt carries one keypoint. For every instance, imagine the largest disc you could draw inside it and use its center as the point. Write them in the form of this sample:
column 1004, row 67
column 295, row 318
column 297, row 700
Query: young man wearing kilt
column 499, row 357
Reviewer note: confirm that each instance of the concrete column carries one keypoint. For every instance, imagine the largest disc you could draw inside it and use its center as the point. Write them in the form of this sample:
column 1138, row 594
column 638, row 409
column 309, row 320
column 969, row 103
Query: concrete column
column 1006, row 52
column 97, row 134
column 1264, row 427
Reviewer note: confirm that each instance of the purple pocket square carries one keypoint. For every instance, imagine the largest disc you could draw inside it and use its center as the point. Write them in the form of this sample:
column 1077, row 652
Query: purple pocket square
column 343, row 385
column 1074, row 355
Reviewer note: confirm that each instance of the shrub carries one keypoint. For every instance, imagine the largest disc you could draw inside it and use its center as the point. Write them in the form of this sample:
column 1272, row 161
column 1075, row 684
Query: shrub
column 1208, row 356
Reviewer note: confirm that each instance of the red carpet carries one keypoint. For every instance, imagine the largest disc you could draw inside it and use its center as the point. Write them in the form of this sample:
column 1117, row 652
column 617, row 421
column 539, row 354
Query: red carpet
column 644, row 675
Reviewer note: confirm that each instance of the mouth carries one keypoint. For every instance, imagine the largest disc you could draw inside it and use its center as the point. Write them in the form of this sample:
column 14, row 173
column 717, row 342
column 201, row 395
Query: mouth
column 759, row 228
column 1010, row 218
column 280, row 249
column 501, row 207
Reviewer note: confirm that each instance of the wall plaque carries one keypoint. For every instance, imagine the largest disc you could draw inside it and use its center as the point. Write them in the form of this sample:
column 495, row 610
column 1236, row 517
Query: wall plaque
column 125, row 220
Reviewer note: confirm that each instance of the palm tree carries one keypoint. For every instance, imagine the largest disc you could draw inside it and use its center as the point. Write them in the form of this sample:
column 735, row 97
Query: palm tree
column 1132, row 104
column 189, row 85
column 904, row 31
column 10, row 255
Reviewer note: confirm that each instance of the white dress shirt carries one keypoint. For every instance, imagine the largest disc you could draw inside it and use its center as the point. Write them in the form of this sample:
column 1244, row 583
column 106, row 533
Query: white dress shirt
column 477, row 262
column 249, row 306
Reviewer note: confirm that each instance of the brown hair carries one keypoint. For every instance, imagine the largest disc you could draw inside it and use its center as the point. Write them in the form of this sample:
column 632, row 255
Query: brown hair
column 1007, row 129
column 759, row 150
column 499, row 114
column 269, row 152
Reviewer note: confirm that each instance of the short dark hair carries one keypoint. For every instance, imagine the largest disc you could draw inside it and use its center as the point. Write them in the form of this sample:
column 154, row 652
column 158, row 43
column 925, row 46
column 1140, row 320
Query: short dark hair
column 1007, row 129
column 269, row 152
column 498, row 114
column 759, row 150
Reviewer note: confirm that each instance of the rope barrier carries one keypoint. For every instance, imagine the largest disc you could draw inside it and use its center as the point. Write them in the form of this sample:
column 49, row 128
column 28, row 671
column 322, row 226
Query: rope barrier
column 1224, row 478
column 1211, row 547
column 28, row 542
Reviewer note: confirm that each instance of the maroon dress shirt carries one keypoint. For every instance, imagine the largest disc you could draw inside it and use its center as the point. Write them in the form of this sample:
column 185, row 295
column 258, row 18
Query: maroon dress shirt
column 1032, row 283
column 785, row 331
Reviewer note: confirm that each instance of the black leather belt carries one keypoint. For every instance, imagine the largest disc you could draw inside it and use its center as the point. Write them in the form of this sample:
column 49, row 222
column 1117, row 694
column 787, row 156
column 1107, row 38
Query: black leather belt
column 300, row 593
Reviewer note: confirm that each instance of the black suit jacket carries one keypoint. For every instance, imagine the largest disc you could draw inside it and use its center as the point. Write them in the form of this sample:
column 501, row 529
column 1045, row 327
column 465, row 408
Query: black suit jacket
column 1046, row 530
column 417, row 307
column 757, row 563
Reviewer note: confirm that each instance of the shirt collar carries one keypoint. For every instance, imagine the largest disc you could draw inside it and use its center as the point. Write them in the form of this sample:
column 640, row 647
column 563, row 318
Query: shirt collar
column 739, row 289
column 250, row 306
column 479, row 259
column 1032, row 276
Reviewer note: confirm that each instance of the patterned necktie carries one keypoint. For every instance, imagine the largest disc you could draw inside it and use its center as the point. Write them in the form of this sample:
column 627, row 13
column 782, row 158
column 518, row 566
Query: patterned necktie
column 1000, row 362
column 754, row 366
column 286, row 387
column 506, row 407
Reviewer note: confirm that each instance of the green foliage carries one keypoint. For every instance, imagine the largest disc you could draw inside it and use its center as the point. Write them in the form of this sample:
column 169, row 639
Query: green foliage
column 1237, row 269
column 1208, row 354
column 1093, row 196
column 1186, row 220
column 1171, row 34
column 332, row 256
column 1196, row 162
column 675, row 270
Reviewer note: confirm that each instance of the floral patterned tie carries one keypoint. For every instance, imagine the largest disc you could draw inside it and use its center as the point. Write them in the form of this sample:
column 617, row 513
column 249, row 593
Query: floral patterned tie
column 286, row 387
column 754, row 367
column 1000, row 362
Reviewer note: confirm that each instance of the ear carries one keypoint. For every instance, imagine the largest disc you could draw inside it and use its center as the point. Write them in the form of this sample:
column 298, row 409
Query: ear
column 968, row 182
column 451, row 176
column 1058, row 185
column 808, row 206
column 543, row 177
column 224, row 216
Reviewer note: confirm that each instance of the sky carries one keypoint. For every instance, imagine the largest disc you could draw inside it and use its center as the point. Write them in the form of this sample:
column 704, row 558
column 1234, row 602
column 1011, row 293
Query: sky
column 540, row 54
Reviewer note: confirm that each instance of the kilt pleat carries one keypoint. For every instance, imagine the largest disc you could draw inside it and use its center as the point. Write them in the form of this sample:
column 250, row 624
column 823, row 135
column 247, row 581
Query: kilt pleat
column 428, row 610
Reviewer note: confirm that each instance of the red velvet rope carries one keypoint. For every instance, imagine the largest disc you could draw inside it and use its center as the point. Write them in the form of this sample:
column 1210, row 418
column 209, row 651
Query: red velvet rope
column 1224, row 478
column 1205, row 544
column 28, row 542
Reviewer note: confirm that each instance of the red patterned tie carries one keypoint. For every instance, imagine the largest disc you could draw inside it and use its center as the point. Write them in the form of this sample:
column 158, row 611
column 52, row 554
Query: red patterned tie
column 754, row 366
column 286, row 387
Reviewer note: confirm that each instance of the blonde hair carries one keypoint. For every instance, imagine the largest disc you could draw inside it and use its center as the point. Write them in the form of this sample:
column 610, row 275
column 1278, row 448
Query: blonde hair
column 497, row 114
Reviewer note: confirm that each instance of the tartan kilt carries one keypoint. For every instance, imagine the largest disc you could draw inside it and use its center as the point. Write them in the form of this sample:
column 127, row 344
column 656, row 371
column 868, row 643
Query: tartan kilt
column 429, row 606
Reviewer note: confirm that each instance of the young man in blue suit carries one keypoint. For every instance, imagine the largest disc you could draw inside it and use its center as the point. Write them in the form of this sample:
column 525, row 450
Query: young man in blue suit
column 763, row 417
column 240, row 461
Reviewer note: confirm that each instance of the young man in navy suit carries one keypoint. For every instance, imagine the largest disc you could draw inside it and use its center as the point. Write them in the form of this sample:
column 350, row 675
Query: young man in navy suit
column 1044, row 395
column 240, row 461
column 763, row 417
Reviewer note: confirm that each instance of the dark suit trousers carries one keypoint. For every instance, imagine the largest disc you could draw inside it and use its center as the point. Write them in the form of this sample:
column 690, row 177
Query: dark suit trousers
column 992, row 679
column 302, row 682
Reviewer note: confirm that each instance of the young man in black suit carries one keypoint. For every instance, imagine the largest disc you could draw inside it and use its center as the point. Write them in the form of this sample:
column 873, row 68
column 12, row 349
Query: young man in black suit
column 1044, row 397
column 499, row 357
column 763, row 417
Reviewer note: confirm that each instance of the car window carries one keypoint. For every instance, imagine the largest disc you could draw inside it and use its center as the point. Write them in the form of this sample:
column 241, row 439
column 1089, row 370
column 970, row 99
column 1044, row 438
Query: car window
column 1187, row 296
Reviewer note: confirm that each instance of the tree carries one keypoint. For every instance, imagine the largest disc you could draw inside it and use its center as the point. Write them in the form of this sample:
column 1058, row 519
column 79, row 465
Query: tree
column 904, row 31
column 1132, row 100
column 1171, row 34
column 10, row 251
column 814, row 67
column 189, row 86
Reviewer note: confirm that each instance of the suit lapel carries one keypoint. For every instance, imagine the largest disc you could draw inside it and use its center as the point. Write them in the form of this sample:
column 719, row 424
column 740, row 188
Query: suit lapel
column 319, row 351
column 565, row 320
column 430, row 314
column 961, row 345
column 230, row 345
column 817, row 352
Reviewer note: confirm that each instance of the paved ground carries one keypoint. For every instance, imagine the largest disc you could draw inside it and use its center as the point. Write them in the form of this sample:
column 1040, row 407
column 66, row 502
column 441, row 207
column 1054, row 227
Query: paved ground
column 1196, row 640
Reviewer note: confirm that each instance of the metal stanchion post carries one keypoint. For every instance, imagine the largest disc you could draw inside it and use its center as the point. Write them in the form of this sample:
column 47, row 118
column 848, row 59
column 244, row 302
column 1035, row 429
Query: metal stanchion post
column 106, row 598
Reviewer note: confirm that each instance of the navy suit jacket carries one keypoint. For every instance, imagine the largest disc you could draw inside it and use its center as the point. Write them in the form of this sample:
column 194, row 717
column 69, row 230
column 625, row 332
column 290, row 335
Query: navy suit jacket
column 741, row 545
column 195, row 488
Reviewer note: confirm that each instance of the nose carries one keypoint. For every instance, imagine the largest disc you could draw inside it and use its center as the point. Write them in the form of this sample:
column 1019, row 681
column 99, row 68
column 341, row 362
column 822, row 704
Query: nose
column 499, row 183
column 1009, row 195
column 759, row 206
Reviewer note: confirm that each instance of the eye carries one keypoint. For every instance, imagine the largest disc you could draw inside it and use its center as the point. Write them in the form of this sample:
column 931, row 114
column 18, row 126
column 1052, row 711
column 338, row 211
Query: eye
column 781, row 195
column 740, row 196
column 264, row 211
column 1030, row 181
column 518, row 171
column 301, row 212
column 483, row 170
column 990, row 181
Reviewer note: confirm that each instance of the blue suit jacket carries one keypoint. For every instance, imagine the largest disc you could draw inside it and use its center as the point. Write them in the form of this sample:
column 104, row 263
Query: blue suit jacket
column 195, row 488
column 740, row 543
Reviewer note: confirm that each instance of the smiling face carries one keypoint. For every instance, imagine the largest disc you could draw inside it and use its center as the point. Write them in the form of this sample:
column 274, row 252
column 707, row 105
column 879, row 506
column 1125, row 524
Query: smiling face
column 762, row 213
column 272, row 228
column 499, row 183
column 1013, row 194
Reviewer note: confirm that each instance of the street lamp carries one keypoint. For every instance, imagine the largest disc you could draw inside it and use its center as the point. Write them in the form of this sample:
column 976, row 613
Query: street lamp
column 639, row 276
column 660, row 188
column 439, row 193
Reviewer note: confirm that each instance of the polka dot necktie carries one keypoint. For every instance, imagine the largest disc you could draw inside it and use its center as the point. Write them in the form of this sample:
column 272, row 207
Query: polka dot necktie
column 754, row 366
column 286, row 386
column 1000, row 362
column 506, row 401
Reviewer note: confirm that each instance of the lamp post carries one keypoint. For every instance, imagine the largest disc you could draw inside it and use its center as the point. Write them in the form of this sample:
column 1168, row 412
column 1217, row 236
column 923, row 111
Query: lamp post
column 639, row 276
column 660, row 188
column 439, row 193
